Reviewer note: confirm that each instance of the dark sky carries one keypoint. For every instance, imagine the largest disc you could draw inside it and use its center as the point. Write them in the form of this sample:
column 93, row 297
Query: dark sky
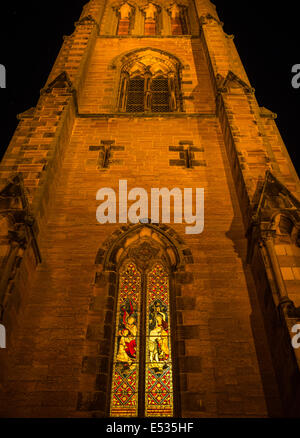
column 266, row 35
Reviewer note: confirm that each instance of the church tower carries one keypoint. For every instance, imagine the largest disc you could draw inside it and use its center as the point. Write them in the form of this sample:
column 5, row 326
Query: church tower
column 142, row 318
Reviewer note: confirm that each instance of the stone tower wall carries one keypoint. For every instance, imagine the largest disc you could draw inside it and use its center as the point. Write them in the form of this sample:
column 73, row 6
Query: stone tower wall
column 60, row 311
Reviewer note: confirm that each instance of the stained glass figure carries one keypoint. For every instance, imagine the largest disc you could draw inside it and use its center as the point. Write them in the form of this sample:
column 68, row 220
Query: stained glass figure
column 124, row 397
column 158, row 387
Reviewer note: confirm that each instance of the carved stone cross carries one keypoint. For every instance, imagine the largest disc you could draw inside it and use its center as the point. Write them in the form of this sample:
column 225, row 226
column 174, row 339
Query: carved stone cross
column 186, row 155
column 106, row 149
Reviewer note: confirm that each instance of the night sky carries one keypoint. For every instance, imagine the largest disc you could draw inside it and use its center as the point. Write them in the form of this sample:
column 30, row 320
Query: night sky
column 266, row 36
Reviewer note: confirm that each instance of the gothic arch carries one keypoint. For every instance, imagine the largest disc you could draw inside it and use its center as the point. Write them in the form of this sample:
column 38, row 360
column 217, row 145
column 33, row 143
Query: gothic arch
column 124, row 57
column 179, row 255
column 144, row 245
column 144, row 258
column 286, row 223
column 149, row 81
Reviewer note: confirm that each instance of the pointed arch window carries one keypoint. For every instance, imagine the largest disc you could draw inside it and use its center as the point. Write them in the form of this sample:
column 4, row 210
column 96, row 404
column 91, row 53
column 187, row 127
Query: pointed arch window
column 142, row 379
column 148, row 93
column 160, row 95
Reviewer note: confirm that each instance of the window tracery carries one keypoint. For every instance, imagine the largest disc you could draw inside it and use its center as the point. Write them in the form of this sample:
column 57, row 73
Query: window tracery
column 142, row 380
column 149, row 84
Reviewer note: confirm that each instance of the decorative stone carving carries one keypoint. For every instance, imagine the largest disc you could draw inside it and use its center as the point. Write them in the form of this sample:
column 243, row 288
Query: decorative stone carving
column 61, row 81
column 205, row 19
column 150, row 11
column 175, row 10
column 265, row 113
column 272, row 199
column 21, row 233
column 125, row 11
column 178, row 19
column 289, row 308
column 232, row 81
column 143, row 254
column 88, row 19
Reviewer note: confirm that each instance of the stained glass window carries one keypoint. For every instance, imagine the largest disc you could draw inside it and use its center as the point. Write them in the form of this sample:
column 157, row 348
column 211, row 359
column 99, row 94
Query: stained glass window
column 142, row 354
column 159, row 387
column 124, row 397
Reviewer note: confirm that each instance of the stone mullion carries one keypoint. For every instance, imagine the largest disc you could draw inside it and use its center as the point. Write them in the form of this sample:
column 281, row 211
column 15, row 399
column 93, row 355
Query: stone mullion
column 122, row 99
column 172, row 92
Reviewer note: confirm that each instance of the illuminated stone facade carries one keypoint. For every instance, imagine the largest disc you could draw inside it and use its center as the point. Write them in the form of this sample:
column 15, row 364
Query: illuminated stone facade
column 154, row 93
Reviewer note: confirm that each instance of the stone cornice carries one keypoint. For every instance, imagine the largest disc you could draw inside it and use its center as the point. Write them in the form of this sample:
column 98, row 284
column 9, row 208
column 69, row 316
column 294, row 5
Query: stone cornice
column 148, row 36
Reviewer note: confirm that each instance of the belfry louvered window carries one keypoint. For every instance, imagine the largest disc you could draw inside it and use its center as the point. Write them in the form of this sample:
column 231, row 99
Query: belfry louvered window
column 160, row 95
column 135, row 98
column 147, row 93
